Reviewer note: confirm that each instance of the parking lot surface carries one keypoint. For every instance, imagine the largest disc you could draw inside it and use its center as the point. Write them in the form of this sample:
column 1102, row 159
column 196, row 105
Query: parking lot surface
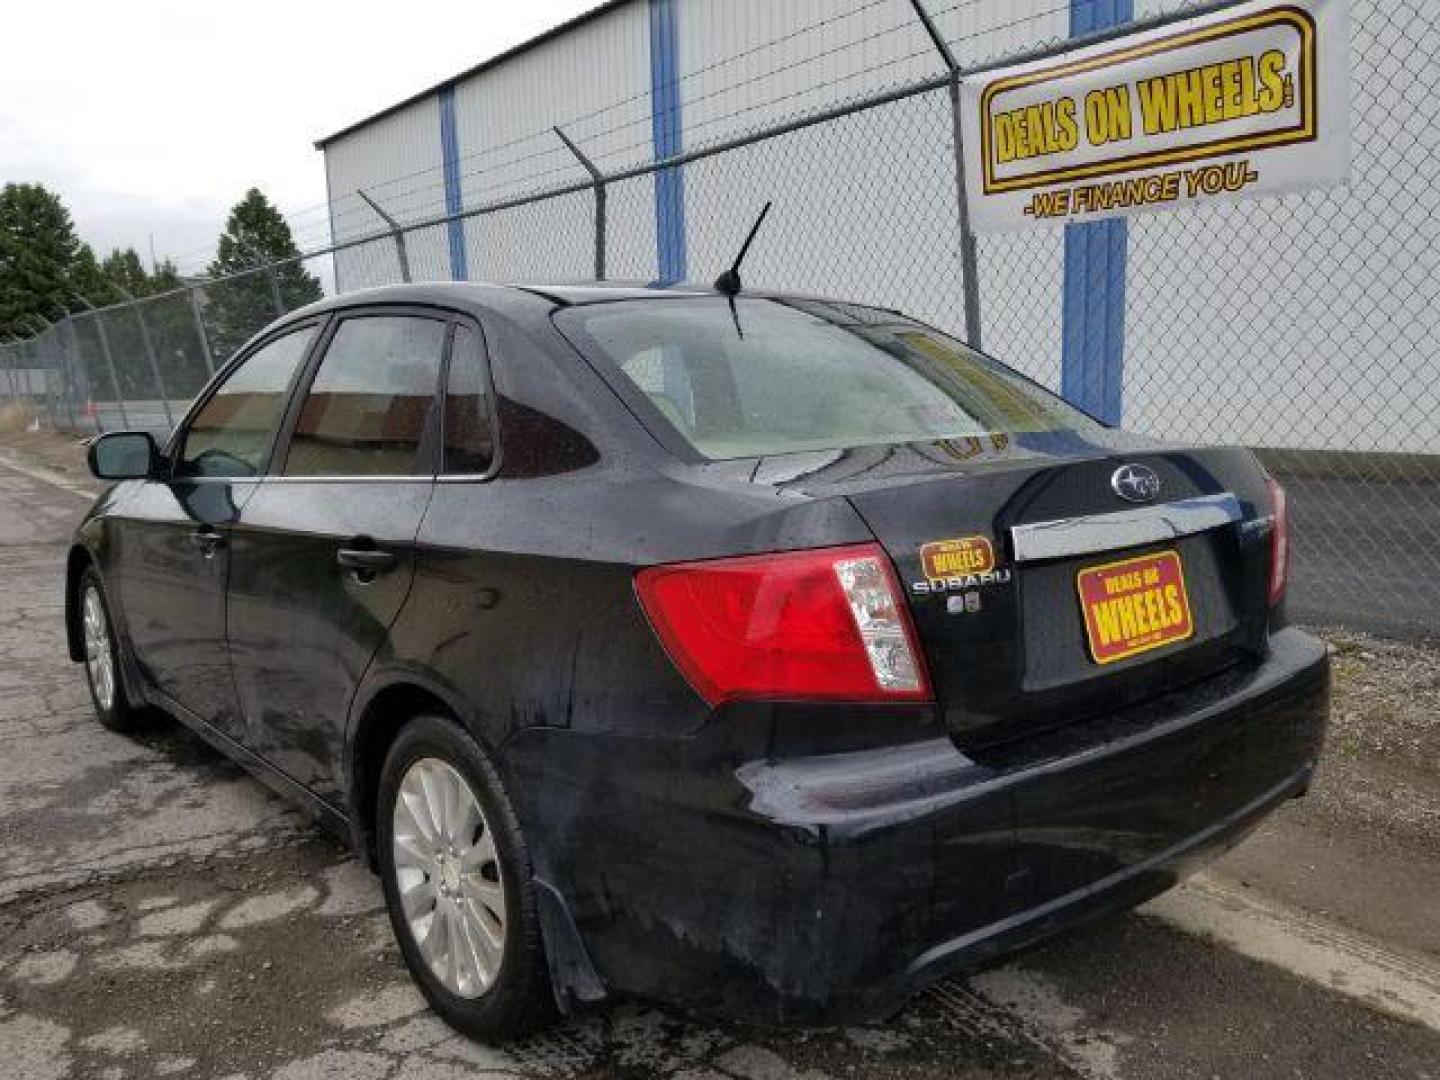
column 163, row 914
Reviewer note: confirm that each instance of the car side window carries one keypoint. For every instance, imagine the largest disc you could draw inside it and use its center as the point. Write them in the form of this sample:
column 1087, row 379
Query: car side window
column 231, row 433
column 469, row 433
column 367, row 410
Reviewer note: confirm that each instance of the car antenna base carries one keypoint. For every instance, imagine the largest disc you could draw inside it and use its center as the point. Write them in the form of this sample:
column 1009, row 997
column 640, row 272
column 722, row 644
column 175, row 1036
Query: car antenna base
column 729, row 282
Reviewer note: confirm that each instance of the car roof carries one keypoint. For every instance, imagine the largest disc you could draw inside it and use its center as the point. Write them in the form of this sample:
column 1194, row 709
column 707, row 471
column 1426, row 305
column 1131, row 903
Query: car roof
column 523, row 295
column 488, row 294
column 530, row 303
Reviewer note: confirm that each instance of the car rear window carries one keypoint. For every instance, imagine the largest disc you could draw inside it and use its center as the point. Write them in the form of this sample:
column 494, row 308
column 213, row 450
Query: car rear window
column 777, row 376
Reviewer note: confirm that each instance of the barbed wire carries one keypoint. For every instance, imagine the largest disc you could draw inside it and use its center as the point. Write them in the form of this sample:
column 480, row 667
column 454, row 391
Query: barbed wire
column 431, row 195
column 594, row 138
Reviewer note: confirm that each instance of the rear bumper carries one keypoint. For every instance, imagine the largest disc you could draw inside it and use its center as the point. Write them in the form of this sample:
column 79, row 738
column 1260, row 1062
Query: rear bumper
column 824, row 889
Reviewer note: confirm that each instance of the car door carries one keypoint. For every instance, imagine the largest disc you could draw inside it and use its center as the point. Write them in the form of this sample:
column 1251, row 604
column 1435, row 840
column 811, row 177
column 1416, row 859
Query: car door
column 323, row 554
column 172, row 535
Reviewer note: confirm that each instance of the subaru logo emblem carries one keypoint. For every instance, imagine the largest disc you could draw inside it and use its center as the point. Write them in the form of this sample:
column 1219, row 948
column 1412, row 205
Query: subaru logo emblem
column 1135, row 483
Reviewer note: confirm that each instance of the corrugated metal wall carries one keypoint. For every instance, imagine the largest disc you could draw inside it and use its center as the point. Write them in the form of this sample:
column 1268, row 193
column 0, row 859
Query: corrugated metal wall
column 740, row 65
column 396, row 160
column 595, row 81
column 865, row 206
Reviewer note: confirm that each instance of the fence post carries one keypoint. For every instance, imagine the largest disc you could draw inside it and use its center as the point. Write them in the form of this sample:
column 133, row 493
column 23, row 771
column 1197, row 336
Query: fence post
column 62, row 369
column 396, row 233
column 80, row 373
column 45, row 353
column 274, row 280
column 45, row 364
column 17, row 381
column 19, row 370
column 149, row 347
column 109, row 364
column 37, row 363
column 200, row 330
column 969, row 262
column 11, row 377
column 601, row 200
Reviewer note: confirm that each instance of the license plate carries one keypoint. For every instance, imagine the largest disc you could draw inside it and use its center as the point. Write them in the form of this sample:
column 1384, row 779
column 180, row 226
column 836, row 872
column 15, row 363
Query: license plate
column 1135, row 605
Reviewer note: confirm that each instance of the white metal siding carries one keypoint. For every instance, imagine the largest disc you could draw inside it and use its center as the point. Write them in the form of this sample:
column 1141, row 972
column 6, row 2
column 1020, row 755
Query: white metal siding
column 1260, row 313
column 595, row 82
column 866, row 206
column 1231, row 309
column 396, row 160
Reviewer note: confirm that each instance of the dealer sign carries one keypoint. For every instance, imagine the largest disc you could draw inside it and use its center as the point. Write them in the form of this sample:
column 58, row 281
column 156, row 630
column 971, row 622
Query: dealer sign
column 1251, row 100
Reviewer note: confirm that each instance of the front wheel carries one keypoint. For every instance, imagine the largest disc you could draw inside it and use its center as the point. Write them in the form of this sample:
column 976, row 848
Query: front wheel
column 456, row 873
column 102, row 657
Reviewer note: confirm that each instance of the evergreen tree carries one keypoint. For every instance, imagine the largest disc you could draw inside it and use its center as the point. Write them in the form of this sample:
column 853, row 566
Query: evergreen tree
column 88, row 281
column 38, row 249
column 123, row 268
column 164, row 278
column 255, row 235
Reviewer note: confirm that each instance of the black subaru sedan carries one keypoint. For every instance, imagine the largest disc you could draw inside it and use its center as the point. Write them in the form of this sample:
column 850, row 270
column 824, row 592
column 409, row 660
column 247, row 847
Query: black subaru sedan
column 765, row 655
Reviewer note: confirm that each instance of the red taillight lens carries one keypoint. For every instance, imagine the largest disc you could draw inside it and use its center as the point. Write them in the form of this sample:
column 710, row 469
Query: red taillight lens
column 1279, row 541
column 826, row 625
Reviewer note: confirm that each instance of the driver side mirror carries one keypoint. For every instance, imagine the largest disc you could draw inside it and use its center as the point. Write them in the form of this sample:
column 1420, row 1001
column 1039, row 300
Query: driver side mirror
column 124, row 455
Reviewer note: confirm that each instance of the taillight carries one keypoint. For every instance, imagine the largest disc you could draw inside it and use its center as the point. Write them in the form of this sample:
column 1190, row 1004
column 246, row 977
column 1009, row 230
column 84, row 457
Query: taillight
column 1279, row 541
column 828, row 624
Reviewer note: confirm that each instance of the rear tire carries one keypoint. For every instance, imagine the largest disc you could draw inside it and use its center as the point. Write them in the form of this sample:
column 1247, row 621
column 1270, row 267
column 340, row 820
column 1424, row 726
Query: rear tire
column 457, row 879
column 102, row 658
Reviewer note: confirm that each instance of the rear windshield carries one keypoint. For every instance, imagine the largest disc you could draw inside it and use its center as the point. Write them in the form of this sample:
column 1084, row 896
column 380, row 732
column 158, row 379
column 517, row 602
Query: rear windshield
column 787, row 376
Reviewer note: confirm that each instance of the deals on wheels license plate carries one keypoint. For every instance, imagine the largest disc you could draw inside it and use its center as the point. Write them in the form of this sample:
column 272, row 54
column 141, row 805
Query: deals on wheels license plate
column 1135, row 605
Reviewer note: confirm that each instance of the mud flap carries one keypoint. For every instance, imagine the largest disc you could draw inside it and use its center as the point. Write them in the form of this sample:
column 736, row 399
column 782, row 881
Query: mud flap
column 572, row 975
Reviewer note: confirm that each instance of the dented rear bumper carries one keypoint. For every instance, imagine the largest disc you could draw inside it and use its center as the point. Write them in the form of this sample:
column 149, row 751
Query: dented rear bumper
column 830, row 887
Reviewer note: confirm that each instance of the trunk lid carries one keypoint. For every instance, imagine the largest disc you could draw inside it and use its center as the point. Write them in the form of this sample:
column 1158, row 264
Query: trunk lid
column 1007, row 644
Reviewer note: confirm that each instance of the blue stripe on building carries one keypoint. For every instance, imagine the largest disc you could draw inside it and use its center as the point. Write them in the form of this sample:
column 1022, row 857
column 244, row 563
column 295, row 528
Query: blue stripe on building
column 665, row 128
column 1092, row 373
column 450, row 158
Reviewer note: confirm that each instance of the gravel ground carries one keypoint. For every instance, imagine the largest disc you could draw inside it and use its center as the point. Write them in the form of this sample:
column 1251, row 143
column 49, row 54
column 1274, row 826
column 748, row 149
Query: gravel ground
column 1382, row 769
column 1387, row 704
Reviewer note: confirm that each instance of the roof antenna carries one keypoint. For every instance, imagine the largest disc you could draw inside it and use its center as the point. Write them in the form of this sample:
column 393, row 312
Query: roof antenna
column 729, row 282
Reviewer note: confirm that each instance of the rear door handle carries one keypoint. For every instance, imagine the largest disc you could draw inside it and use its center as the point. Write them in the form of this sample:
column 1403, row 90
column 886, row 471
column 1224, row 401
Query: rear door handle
column 365, row 560
column 207, row 540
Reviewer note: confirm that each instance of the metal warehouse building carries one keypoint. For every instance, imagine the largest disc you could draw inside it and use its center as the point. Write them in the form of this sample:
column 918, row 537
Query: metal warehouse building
column 1307, row 321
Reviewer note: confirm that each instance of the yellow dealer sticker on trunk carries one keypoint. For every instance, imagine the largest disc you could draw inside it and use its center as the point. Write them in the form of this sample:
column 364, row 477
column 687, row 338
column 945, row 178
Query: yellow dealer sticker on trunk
column 943, row 559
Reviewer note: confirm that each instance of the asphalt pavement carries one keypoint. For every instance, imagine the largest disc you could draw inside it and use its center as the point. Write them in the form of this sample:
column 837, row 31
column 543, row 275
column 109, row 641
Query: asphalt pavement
column 162, row 914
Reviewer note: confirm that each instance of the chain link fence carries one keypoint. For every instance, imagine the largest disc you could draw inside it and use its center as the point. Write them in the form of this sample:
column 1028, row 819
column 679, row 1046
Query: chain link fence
column 1306, row 326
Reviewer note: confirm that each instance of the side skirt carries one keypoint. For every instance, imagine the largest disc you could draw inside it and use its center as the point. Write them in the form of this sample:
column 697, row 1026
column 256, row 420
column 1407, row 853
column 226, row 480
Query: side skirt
column 333, row 819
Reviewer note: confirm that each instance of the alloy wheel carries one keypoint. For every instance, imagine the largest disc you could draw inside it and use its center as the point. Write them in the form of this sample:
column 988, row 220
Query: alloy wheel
column 447, row 872
column 99, row 652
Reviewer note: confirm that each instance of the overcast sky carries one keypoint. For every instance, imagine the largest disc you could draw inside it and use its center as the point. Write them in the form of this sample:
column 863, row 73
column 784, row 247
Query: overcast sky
column 153, row 118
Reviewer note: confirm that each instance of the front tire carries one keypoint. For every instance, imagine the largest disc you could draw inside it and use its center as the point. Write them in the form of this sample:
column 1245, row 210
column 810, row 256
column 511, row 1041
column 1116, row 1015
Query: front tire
column 102, row 657
column 457, row 881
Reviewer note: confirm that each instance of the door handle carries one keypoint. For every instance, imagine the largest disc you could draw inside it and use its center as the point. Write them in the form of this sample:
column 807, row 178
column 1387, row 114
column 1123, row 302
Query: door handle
column 365, row 560
column 207, row 540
